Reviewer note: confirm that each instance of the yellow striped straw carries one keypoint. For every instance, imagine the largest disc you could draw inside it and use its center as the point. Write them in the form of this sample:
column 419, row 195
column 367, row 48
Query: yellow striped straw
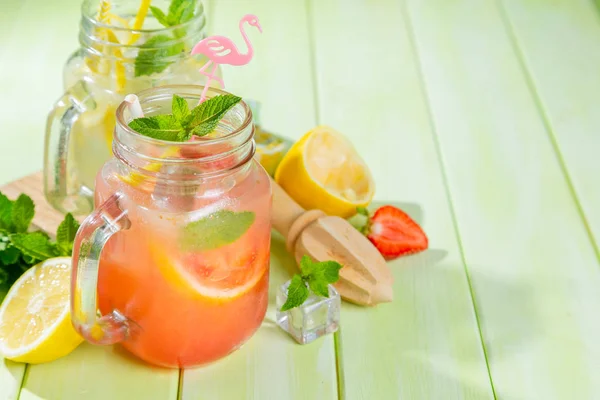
column 103, row 18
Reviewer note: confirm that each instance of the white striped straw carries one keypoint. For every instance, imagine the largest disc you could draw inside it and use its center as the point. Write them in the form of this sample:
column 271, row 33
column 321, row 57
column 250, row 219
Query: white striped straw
column 134, row 106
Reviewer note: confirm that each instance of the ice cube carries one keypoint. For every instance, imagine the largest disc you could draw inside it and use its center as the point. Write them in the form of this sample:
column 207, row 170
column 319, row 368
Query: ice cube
column 316, row 317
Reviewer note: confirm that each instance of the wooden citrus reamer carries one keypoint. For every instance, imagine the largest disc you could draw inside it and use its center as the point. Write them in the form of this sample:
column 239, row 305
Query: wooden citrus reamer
column 365, row 278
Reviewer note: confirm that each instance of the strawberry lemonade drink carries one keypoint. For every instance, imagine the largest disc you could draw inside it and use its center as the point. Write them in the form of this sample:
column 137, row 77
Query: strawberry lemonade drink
column 176, row 256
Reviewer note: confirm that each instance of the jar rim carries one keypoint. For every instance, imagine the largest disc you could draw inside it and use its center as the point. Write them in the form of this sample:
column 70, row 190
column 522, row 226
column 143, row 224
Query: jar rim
column 179, row 90
column 225, row 154
column 86, row 8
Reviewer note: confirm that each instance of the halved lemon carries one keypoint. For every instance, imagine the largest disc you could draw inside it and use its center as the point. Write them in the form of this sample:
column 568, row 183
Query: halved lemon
column 35, row 322
column 323, row 171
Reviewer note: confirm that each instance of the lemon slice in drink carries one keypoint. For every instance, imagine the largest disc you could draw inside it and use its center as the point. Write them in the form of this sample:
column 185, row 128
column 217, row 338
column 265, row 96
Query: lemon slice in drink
column 219, row 275
column 323, row 171
column 35, row 322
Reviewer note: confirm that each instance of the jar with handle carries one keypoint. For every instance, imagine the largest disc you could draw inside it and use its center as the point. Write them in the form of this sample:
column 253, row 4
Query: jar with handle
column 174, row 264
column 124, row 49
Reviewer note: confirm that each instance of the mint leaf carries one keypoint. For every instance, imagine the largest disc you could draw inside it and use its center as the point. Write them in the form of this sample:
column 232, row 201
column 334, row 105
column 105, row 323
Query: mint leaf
column 184, row 135
column 317, row 275
column 160, row 16
column 29, row 259
column 65, row 235
column 174, row 7
column 184, row 12
column 297, row 293
column 34, row 246
column 23, row 210
column 180, row 108
column 183, row 123
column 307, row 266
column 153, row 56
column 330, row 270
column 9, row 255
column 4, row 279
column 215, row 230
column 319, row 287
column 204, row 118
column 181, row 11
column 6, row 206
column 163, row 127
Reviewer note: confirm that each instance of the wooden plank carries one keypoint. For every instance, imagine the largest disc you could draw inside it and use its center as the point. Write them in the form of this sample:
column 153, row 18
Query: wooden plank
column 425, row 344
column 99, row 372
column 534, row 273
column 40, row 35
column 12, row 31
column 560, row 47
column 11, row 375
column 271, row 365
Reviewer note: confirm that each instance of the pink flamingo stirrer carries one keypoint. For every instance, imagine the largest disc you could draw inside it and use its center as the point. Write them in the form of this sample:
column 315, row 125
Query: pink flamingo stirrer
column 221, row 50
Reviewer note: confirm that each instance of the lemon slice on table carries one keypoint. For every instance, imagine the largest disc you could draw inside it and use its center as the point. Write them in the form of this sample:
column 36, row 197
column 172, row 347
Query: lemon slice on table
column 35, row 321
column 323, row 171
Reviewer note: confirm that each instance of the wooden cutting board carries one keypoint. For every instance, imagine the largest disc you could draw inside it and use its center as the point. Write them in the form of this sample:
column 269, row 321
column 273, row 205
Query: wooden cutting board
column 46, row 218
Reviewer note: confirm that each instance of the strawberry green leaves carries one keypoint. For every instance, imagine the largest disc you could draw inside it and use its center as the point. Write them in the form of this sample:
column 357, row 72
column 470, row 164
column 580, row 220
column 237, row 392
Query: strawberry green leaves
column 20, row 249
column 183, row 122
column 316, row 276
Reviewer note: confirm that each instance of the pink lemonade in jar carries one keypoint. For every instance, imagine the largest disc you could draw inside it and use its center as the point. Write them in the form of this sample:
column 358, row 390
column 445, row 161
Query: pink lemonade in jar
column 189, row 271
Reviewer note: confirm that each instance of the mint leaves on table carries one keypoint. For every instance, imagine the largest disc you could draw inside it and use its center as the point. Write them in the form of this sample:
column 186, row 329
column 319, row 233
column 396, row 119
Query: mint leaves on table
column 183, row 122
column 315, row 277
column 19, row 249
column 215, row 230
column 154, row 54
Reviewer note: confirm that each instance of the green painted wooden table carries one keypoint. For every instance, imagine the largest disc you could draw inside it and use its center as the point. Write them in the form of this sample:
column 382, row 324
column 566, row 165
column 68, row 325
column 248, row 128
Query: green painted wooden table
column 480, row 117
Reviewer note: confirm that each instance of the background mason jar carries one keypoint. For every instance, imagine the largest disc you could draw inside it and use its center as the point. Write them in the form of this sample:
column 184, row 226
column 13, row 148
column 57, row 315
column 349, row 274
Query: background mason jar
column 114, row 59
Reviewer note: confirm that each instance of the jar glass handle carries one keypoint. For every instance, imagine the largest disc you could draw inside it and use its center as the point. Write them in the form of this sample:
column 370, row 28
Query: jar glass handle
column 61, row 187
column 91, row 237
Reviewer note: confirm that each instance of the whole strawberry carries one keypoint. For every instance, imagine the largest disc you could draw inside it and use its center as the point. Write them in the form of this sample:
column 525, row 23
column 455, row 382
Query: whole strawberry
column 391, row 230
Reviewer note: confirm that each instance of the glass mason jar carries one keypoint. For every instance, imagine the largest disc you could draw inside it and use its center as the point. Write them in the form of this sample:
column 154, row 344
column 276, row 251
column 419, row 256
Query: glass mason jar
column 174, row 261
column 114, row 59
